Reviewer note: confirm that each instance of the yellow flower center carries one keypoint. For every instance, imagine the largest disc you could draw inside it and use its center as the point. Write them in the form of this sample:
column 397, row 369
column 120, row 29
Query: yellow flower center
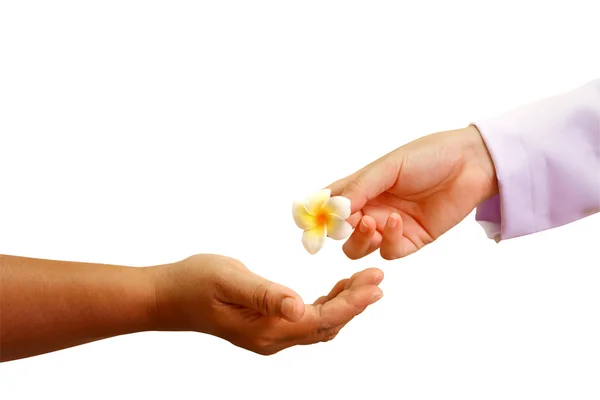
column 321, row 218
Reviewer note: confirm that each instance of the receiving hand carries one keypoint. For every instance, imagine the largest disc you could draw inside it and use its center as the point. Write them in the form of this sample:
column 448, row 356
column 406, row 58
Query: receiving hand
column 219, row 296
column 411, row 196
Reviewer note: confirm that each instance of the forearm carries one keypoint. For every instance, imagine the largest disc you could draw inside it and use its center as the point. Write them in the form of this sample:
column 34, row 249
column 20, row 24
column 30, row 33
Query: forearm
column 51, row 305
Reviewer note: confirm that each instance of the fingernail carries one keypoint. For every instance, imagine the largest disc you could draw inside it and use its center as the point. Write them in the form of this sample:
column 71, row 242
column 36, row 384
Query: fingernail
column 393, row 220
column 288, row 307
column 377, row 296
column 363, row 228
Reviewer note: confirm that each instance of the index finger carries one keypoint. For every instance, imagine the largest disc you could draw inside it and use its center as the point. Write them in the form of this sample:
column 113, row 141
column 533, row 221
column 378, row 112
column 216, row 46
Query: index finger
column 369, row 182
column 337, row 187
column 321, row 320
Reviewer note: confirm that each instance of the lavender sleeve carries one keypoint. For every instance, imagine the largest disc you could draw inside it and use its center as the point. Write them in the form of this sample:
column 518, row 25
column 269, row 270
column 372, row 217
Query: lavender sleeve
column 547, row 160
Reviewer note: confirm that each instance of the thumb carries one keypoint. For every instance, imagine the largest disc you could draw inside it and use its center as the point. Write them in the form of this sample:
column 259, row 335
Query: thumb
column 370, row 182
column 268, row 298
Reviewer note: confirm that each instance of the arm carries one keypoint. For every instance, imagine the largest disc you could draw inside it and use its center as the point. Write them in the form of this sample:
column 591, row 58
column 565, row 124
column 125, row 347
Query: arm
column 50, row 305
column 547, row 160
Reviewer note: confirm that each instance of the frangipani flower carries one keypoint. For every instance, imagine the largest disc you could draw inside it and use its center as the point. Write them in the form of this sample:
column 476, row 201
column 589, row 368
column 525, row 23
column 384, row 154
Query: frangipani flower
column 321, row 215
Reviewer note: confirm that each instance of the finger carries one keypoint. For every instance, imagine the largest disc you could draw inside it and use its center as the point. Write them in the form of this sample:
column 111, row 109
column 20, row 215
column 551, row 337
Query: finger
column 337, row 289
column 394, row 245
column 322, row 322
column 335, row 312
column 342, row 309
column 370, row 182
column 268, row 298
column 338, row 186
column 391, row 244
column 355, row 218
column 369, row 276
column 362, row 239
column 348, row 303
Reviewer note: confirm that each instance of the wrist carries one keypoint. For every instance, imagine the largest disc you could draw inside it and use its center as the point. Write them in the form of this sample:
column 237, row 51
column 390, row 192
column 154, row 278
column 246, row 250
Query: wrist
column 140, row 298
column 479, row 162
column 168, row 297
column 156, row 278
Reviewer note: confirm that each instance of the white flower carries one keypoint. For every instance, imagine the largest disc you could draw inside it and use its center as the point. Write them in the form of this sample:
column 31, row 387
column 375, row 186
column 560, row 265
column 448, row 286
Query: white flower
column 321, row 215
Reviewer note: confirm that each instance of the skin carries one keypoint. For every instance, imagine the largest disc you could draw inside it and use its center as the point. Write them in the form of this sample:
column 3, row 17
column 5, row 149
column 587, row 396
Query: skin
column 48, row 305
column 411, row 196
column 400, row 203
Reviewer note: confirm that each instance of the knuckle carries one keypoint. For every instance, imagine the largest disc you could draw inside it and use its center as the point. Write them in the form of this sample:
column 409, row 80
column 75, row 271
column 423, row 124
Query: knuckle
column 261, row 298
column 355, row 184
column 227, row 270
column 227, row 267
column 231, row 264
column 391, row 165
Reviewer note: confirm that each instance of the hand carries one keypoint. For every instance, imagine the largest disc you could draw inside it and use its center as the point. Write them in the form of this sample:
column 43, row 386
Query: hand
column 219, row 296
column 411, row 196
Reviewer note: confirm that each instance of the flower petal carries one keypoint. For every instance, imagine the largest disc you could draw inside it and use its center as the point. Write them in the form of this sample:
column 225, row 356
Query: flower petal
column 313, row 239
column 339, row 206
column 315, row 201
column 302, row 219
column 338, row 228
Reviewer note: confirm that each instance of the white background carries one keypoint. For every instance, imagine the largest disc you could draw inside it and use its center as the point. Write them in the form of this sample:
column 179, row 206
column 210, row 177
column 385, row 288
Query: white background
column 141, row 132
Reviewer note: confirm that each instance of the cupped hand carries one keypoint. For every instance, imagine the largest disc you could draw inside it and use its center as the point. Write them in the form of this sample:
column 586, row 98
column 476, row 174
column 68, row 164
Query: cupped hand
column 219, row 296
column 409, row 197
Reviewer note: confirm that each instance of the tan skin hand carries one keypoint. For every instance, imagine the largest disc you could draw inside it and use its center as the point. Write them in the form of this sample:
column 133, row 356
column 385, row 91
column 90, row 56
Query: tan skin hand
column 409, row 197
column 48, row 305
column 219, row 296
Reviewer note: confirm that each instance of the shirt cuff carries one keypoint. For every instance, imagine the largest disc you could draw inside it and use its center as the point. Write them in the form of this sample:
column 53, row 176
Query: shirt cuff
column 547, row 160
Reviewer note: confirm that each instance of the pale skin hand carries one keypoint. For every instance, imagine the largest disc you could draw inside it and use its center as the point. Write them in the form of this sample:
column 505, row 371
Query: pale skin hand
column 49, row 305
column 409, row 197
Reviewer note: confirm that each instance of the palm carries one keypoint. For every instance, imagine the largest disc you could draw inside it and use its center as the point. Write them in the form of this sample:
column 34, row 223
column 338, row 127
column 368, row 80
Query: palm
column 321, row 321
